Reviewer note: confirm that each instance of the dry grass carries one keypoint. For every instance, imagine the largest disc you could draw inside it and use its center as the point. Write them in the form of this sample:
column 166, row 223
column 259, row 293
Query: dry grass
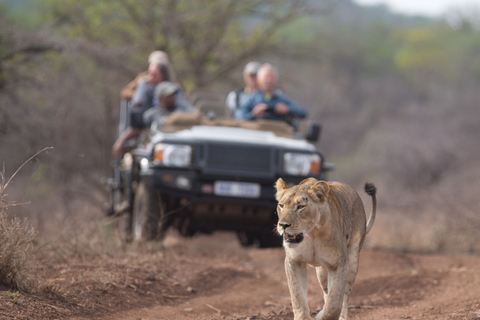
column 17, row 265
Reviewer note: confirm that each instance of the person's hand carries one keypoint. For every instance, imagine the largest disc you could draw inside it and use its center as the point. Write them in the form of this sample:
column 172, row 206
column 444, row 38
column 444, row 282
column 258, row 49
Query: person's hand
column 281, row 108
column 198, row 113
column 260, row 110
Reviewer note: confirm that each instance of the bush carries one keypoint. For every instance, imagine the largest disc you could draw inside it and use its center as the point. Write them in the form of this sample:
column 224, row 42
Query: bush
column 17, row 265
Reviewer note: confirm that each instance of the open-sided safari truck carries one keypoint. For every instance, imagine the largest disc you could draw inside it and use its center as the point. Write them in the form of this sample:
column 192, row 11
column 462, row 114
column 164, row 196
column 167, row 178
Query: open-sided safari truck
column 202, row 175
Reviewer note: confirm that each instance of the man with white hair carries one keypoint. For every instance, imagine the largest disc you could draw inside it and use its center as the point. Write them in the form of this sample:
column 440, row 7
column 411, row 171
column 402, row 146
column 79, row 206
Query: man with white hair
column 267, row 102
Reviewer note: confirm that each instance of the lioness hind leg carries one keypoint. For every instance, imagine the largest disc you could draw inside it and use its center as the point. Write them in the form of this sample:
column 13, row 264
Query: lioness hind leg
column 322, row 277
column 337, row 281
column 353, row 260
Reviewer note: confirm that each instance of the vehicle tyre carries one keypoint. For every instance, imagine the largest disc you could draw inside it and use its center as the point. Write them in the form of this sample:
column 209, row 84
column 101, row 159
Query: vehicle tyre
column 148, row 211
column 124, row 226
column 187, row 229
column 246, row 239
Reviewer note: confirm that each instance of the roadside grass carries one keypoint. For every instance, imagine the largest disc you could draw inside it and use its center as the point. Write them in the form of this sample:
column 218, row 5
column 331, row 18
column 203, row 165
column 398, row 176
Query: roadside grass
column 17, row 264
column 78, row 254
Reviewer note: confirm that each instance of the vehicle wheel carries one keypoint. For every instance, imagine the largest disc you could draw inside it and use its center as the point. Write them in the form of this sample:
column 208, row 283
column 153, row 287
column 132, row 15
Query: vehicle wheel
column 148, row 211
column 124, row 226
column 187, row 229
column 246, row 239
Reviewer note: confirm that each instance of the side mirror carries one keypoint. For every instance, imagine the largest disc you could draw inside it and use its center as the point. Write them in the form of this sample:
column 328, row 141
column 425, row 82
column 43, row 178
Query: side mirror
column 313, row 132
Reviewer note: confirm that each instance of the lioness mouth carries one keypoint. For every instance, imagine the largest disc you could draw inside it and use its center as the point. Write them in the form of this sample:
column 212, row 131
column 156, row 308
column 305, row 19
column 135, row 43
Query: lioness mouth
column 293, row 239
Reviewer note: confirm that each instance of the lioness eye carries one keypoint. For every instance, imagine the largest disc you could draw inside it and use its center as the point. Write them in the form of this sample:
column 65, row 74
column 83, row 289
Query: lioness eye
column 280, row 205
column 300, row 206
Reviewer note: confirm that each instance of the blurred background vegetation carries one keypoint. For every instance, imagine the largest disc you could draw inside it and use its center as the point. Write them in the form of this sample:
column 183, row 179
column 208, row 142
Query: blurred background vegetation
column 397, row 96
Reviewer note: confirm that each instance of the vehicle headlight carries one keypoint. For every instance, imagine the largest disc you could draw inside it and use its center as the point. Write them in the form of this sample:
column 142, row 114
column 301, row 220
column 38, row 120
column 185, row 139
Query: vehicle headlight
column 301, row 164
column 175, row 155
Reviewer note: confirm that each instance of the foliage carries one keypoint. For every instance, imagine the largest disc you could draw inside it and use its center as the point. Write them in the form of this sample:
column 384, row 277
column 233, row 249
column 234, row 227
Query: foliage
column 205, row 39
column 13, row 295
column 397, row 96
column 439, row 51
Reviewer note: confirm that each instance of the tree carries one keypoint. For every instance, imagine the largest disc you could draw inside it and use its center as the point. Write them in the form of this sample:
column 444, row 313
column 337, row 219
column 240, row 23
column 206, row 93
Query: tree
column 206, row 39
column 17, row 50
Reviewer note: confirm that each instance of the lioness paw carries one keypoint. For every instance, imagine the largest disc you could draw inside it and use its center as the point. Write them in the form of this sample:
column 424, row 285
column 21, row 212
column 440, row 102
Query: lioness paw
column 320, row 316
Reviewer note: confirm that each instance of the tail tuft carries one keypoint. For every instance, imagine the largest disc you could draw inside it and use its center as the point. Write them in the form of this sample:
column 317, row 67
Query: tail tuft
column 370, row 188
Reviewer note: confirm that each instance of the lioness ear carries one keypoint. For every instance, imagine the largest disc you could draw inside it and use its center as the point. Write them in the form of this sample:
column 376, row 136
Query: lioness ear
column 320, row 191
column 281, row 187
column 308, row 180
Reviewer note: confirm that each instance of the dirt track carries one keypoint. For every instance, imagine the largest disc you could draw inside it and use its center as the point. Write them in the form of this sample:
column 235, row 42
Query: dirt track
column 212, row 277
column 251, row 283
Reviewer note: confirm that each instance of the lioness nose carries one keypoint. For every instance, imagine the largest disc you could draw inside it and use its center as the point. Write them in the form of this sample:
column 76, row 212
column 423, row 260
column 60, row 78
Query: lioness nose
column 284, row 225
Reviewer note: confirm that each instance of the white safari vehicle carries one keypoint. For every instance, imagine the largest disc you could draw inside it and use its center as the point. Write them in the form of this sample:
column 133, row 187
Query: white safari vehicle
column 199, row 176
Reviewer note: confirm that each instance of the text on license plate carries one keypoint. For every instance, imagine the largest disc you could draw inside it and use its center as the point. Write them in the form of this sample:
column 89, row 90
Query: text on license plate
column 237, row 189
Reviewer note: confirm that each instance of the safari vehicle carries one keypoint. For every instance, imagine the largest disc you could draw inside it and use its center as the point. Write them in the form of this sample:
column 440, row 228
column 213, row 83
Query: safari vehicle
column 202, row 175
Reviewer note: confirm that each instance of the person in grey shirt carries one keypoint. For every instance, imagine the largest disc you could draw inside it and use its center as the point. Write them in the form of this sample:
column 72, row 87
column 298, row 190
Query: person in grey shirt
column 143, row 96
column 166, row 93
column 142, row 100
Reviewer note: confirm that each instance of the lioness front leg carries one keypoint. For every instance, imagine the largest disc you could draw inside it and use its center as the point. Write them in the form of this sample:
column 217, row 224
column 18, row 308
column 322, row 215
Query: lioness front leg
column 297, row 285
column 337, row 281
column 322, row 276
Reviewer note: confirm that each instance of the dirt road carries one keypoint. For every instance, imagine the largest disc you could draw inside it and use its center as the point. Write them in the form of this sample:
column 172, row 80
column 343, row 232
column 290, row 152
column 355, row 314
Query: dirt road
column 212, row 277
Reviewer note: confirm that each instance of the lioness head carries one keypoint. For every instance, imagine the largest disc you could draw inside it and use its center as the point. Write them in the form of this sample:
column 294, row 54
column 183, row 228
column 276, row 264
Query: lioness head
column 299, row 207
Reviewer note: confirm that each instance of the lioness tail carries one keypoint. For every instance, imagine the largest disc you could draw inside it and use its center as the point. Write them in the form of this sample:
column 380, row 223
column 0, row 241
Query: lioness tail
column 371, row 190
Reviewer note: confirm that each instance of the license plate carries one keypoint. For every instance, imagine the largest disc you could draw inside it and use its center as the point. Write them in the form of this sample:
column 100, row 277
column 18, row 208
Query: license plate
column 237, row 189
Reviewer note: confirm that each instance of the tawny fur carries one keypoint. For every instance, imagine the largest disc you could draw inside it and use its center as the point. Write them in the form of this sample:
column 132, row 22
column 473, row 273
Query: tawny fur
column 330, row 218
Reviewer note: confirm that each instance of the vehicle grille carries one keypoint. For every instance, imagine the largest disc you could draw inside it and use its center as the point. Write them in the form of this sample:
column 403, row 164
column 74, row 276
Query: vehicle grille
column 251, row 161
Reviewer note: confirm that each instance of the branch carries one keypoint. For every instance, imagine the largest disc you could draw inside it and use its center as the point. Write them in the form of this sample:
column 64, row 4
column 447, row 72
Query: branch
column 4, row 186
column 31, row 49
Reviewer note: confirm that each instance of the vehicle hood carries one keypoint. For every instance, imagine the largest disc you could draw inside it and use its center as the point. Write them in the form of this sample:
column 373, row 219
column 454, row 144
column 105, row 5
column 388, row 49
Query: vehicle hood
column 232, row 135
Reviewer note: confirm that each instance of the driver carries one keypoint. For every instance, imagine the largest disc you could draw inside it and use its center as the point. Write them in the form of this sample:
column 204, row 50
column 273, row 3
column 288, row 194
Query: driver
column 166, row 93
column 168, row 103
column 266, row 102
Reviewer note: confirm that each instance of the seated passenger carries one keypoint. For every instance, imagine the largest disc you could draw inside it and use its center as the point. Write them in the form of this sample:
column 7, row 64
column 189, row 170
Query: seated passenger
column 144, row 92
column 161, row 57
column 267, row 102
column 166, row 93
column 142, row 99
column 156, row 57
column 235, row 97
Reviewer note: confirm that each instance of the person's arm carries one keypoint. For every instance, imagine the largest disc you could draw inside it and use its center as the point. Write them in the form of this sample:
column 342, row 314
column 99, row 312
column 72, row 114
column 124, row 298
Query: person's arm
column 129, row 90
column 117, row 149
column 141, row 93
column 184, row 106
column 293, row 108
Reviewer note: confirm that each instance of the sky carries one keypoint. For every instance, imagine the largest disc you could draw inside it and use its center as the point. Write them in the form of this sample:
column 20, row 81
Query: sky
column 423, row 7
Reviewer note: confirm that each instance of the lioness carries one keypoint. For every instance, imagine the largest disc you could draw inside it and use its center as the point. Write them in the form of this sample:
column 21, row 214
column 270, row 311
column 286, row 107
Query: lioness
column 323, row 224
